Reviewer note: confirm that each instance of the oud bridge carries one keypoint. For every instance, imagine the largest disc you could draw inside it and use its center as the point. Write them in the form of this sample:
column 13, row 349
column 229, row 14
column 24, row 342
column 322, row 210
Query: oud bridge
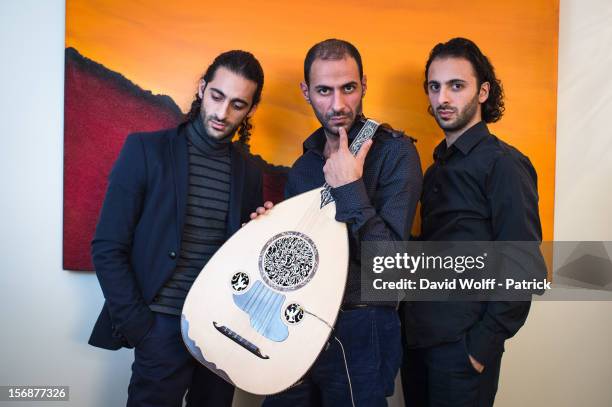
column 245, row 343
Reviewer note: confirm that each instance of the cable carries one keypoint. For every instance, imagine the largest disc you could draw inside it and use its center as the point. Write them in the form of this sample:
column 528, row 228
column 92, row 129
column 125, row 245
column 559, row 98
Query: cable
column 348, row 375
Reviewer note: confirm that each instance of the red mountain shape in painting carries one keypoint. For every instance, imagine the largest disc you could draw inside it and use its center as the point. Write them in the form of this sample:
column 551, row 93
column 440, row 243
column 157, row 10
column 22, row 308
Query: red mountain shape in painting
column 101, row 108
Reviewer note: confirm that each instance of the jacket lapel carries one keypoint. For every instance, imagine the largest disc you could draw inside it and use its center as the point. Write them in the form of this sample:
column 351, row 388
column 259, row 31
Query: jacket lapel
column 235, row 202
column 180, row 168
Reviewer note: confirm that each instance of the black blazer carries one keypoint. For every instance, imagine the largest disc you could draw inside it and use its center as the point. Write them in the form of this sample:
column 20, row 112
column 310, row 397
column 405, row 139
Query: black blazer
column 138, row 236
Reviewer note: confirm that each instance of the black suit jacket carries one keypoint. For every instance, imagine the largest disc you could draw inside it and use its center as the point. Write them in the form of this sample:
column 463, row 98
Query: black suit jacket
column 138, row 236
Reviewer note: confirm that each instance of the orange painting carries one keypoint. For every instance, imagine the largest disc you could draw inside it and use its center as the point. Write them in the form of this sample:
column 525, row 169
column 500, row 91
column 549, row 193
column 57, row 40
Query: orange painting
column 165, row 46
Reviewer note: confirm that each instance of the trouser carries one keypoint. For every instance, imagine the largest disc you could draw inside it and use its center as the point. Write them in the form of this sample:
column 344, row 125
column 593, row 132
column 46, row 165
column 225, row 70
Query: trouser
column 372, row 344
column 443, row 376
column 163, row 370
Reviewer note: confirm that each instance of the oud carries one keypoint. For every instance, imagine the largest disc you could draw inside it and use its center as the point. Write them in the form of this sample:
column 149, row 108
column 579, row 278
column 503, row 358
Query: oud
column 263, row 307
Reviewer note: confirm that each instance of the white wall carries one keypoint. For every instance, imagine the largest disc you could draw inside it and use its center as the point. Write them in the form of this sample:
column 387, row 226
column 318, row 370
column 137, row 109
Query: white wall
column 562, row 357
column 46, row 313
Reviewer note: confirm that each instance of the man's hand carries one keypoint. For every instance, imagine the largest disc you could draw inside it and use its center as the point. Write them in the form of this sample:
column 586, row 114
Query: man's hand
column 262, row 210
column 476, row 364
column 342, row 167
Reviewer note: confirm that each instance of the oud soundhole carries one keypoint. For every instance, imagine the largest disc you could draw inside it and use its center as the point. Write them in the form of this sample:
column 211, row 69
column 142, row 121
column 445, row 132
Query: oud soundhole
column 288, row 261
column 294, row 313
column 240, row 281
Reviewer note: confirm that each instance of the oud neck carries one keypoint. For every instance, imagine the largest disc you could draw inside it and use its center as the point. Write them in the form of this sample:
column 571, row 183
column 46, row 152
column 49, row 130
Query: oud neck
column 366, row 133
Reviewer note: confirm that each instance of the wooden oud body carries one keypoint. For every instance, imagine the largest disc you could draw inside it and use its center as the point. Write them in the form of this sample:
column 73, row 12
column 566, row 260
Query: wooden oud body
column 257, row 314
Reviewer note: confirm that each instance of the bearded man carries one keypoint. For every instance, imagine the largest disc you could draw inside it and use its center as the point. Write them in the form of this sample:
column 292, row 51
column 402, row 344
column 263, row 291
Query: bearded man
column 174, row 197
column 479, row 188
column 376, row 193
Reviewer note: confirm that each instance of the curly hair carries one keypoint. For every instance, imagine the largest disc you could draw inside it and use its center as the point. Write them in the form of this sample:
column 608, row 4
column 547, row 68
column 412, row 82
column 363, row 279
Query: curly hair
column 493, row 108
column 244, row 64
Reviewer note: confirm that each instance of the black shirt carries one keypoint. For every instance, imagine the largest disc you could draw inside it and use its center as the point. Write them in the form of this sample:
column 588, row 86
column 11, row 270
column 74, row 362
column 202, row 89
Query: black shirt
column 478, row 189
column 380, row 206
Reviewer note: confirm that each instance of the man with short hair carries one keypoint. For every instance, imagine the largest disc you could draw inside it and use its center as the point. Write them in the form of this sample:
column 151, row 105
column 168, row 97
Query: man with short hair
column 478, row 189
column 376, row 193
column 174, row 196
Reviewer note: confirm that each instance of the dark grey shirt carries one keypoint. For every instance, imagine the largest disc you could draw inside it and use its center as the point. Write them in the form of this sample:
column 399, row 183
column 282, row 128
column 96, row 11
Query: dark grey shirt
column 378, row 207
column 204, row 230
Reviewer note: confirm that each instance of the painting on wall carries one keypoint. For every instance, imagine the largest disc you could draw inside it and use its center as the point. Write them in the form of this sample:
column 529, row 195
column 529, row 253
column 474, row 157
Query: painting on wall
column 134, row 66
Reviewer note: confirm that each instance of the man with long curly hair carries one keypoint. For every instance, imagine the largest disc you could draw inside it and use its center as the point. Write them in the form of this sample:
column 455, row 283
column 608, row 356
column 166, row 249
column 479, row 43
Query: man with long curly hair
column 479, row 188
column 174, row 197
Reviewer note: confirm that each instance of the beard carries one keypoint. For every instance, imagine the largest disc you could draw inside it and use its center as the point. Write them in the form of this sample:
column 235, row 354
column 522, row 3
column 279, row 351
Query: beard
column 227, row 133
column 347, row 116
column 464, row 116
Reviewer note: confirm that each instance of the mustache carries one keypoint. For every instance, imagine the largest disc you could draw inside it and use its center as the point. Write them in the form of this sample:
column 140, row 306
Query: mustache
column 445, row 107
column 215, row 118
column 334, row 115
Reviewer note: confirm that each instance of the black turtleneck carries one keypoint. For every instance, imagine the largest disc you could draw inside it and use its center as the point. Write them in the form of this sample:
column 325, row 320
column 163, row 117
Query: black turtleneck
column 205, row 225
column 196, row 134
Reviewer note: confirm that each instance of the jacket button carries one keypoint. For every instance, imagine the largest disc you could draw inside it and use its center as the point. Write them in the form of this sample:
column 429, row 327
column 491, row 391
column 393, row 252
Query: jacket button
column 172, row 255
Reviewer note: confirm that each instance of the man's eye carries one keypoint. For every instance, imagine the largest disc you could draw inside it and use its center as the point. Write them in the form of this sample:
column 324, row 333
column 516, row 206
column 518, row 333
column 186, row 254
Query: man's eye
column 323, row 91
column 434, row 87
column 216, row 98
column 457, row 86
column 238, row 106
column 349, row 88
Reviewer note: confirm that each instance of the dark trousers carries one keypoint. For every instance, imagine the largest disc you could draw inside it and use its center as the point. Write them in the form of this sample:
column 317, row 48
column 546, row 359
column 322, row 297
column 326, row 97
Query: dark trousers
column 372, row 344
column 442, row 376
column 163, row 370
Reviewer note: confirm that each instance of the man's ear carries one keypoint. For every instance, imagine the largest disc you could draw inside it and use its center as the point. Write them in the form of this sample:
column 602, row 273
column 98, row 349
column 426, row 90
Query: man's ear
column 201, row 87
column 364, row 84
column 483, row 95
column 252, row 111
column 304, row 89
